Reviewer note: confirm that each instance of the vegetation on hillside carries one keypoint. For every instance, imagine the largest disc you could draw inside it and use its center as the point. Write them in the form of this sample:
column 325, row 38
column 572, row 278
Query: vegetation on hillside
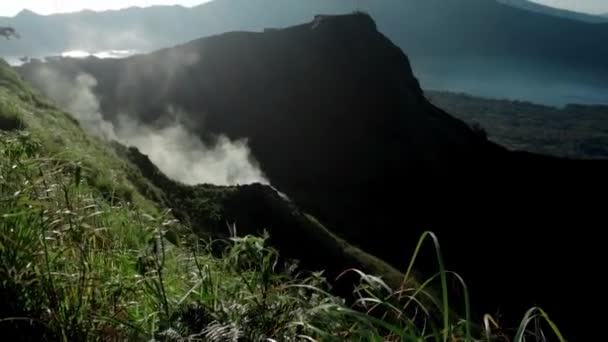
column 8, row 32
column 575, row 131
column 85, row 255
column 258, row 209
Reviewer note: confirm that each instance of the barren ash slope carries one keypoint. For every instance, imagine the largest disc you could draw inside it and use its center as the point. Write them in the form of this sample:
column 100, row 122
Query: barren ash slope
column 335, row 116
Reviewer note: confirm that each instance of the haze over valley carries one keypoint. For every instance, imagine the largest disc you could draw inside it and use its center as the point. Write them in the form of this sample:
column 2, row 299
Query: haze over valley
column 514, row 52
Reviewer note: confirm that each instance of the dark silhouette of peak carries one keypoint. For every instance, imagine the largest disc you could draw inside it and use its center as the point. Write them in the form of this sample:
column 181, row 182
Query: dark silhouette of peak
column 334, row 114
column 358, row 21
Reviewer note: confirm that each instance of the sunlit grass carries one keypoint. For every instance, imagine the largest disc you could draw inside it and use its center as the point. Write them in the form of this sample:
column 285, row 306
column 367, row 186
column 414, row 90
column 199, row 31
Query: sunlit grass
column 85, row 266
column 85, row 256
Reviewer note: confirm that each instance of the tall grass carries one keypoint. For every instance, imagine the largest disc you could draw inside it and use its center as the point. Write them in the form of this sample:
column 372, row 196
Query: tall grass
column 78, row 263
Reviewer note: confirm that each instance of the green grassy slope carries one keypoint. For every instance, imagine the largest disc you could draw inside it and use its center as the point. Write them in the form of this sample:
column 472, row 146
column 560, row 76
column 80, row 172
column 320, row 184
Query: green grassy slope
column 90, row 249
column 85, row 256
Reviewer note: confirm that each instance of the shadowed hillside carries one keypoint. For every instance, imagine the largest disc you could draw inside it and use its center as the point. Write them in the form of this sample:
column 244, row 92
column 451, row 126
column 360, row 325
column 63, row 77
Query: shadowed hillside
column 253, row 210
column 96, row 244
column 337, row 120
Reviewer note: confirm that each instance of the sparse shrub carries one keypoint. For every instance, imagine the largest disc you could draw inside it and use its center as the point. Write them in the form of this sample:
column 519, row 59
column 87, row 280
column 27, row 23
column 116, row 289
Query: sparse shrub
column 9, row 117
column 479, row 131
column 8, row 32
column 10, row 122
column 110, row 188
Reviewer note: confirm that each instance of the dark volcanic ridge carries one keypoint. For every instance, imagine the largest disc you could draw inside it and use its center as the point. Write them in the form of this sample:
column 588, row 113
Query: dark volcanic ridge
column 338, row 122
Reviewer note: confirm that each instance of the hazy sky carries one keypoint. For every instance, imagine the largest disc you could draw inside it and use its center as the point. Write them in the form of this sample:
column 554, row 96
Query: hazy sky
column 591, row 6
column 12, row 7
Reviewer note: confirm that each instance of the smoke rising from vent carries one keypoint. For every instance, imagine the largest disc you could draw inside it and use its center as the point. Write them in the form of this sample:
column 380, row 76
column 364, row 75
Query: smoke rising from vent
column 77, row 98
column 177, row 152
column 184, row 157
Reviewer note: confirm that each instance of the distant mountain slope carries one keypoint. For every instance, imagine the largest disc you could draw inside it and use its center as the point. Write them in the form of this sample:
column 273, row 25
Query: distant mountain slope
column 512, row 52
column 536, row 7
column 574, row 131
column 338, row 121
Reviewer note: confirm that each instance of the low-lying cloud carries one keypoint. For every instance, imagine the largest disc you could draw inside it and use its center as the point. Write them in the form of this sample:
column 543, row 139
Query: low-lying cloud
column 176, row 151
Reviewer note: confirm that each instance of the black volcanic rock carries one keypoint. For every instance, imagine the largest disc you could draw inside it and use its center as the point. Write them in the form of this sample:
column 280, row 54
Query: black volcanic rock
column 337, row 120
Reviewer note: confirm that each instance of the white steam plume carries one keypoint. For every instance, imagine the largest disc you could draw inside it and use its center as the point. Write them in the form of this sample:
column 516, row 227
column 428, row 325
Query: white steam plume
column 177, row 152
column 77, row 98
column 184, row 157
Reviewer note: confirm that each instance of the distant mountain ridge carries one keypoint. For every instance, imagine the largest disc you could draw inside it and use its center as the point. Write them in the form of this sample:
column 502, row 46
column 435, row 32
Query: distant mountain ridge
column 536, row 7
column 573, row 131
column 512, row 52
